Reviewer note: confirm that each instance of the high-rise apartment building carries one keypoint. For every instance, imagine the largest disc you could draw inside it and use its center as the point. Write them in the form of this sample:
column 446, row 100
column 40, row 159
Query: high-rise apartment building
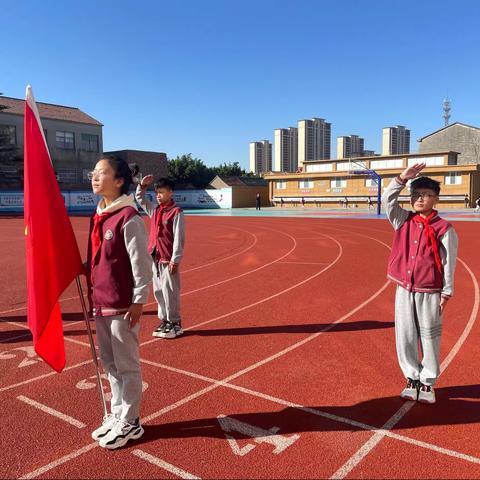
column 313, row 140
column 350, row 146
column 286, row 150
column 261, row 156
column 395, row 140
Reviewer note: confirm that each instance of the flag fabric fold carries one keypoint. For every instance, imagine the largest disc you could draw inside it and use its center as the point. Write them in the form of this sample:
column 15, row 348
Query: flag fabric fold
column 52, row 256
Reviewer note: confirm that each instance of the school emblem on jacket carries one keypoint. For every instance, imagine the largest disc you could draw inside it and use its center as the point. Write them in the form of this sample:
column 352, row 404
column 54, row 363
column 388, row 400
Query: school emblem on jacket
column 108, row 235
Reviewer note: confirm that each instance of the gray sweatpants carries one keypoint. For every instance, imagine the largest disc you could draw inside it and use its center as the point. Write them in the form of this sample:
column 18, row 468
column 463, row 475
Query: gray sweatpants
column 418, row 320
column 166, row 288
column 120, row 357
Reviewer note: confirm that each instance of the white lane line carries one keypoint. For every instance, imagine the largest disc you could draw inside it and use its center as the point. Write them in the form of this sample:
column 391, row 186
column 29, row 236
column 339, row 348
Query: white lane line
column 25, row 307
column 51, row 411
column 358, row 456
column 255, row 240
column 59, row 461
column 307, row 263
column 162, row 464
column 320, row 413
column 266, row 299
column 45, row 375
column 249, row 272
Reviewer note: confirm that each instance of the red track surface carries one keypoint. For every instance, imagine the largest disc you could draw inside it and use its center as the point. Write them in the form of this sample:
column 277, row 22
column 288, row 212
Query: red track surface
column 290, row 337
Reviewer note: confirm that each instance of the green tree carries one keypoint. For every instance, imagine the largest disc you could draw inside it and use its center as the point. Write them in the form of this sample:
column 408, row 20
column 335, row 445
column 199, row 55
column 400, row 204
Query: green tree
column 186, row 169
column 229, row 169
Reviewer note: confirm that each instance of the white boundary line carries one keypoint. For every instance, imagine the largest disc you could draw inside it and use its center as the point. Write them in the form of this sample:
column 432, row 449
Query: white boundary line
column 320, row 413
column 266, row 299
column 255, row 240
column 162, row 464
column 52, row 411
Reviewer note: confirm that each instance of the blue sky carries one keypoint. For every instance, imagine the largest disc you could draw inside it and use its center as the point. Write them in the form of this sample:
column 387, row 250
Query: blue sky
column 208, row 76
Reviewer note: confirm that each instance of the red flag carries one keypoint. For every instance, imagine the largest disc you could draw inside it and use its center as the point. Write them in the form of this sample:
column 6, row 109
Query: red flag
column 53, row 259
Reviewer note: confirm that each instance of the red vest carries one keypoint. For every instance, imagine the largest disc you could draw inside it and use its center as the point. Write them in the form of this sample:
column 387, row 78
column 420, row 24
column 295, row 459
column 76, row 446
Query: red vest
column 412, row 261
column 111, row 276
column 161, row 237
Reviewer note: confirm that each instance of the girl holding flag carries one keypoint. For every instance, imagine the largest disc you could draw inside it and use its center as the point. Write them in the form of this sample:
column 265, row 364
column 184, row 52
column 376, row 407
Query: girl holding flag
column 118, row 273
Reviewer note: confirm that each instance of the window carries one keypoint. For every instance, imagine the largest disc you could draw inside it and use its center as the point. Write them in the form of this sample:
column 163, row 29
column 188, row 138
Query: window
column 343, row 166
column 65, row 140
column 430, row 161
column 380, row 164
column 371, row 182
column 322, row 167
column 338, row 183
column 89, row 142
column 282, row 185
column 8, row 133
column 453, row 179
column 307, row 183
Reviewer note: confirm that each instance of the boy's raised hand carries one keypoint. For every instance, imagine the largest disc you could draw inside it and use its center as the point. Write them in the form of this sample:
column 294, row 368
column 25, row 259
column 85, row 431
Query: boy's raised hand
column 146, row 181
column 413, row 171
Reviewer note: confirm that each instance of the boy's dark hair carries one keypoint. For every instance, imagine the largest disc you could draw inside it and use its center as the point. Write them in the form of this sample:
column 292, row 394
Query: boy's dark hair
column 164, row 183
column 121, row 169
column 425, row 182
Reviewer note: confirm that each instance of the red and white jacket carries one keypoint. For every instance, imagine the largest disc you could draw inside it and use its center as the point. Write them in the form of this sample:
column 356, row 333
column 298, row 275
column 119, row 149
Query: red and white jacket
column 167, row 229
column 412, row 260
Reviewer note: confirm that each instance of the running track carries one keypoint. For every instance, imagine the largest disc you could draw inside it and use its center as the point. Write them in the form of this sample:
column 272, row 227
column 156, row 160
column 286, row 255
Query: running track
column 287, row 370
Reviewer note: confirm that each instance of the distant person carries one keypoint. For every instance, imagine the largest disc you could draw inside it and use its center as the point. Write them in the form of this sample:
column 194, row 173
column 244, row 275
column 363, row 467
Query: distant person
column 258, row 201
column 467, row 201
column 370, row 203
column 281, row 201
column 345, row 201
column 303, row 202
column 477, row 204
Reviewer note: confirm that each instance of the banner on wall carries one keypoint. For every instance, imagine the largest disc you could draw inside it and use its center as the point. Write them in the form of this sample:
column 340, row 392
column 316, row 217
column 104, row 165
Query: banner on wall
column 85, row 202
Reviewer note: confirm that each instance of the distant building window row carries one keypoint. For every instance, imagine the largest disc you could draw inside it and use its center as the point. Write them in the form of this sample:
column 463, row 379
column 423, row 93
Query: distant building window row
column 383, row 164
column 322, row 167
column 430, row 161
column 450, row 179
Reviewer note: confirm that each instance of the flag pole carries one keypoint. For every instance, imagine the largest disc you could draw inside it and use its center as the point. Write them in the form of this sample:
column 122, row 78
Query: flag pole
column 92, row 346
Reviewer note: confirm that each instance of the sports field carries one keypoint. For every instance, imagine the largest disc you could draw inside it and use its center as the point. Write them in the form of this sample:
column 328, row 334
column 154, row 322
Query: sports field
column 287, row 368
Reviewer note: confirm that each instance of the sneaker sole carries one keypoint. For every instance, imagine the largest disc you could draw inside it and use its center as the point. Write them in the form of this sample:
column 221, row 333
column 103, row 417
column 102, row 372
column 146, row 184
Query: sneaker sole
column 156, row 334
column 170, row 335
column 428, row 402
column 99, row 437
column 408, row 397
column 121, row 443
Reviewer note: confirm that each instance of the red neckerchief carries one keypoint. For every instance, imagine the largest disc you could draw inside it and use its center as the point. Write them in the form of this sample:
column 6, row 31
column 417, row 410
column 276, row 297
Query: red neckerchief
column 96, row 236
column 431, row 236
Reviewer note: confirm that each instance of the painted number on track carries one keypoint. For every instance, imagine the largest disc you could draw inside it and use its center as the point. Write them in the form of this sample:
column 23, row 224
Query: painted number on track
column 30, row 356
column 91, row 382
column 256, row 434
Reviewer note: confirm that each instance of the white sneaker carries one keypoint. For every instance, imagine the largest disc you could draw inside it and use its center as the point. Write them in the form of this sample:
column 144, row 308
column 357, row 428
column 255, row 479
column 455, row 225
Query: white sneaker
column 120, row 434
column 171, row 330
column 426, row 394
column 108, row 422
column 410, row 392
